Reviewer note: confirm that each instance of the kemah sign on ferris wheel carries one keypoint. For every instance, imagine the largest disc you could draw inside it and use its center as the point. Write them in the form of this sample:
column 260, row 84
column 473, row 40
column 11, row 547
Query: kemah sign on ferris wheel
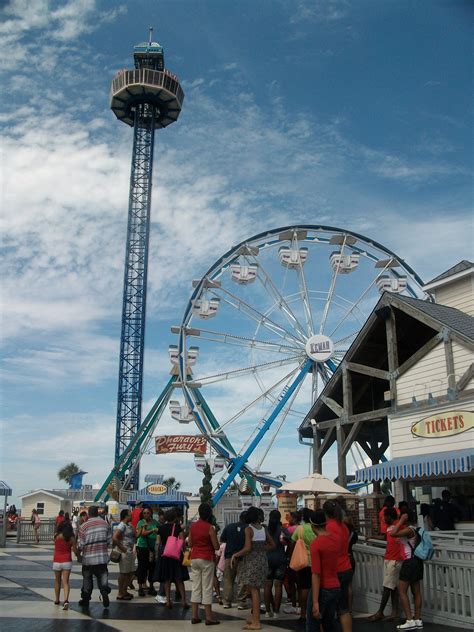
column 166, row 444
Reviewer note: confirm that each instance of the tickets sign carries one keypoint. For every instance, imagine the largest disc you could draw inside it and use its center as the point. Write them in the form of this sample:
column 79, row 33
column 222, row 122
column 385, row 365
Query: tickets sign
column 165, row 444
column 445, row 424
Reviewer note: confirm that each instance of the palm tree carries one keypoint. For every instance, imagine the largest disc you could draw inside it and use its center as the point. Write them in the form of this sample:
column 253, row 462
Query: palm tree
column 66, row 472
column 172, row 484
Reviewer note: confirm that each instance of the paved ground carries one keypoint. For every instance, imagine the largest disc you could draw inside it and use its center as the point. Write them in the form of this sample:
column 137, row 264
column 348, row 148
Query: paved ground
column 26, row 593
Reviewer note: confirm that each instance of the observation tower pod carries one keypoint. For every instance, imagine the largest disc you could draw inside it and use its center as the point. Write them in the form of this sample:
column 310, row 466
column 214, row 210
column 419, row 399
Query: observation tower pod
column 150, row 85
column 147, row 98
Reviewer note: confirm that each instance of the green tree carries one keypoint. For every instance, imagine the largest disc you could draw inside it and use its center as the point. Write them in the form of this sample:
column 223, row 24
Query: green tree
column 172, row 484
column 205, row 491
column 66, row 472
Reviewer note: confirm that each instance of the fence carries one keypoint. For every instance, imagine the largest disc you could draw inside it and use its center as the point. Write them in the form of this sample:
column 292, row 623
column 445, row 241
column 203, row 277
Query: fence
column 448, row 583
column 25, row 531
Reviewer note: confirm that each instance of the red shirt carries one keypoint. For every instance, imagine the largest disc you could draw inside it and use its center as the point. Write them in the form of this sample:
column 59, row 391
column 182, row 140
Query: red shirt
column 59, row 519
column 202, row 546
column 324, row 553
column 136, row 517
column 342, row 535
column 383, row 526
column 62, row 550
column 393, row 550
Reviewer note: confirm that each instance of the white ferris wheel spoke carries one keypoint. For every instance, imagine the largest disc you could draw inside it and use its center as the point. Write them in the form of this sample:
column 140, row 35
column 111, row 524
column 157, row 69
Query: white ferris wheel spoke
column 332, row 287
column 305, row 294
column 222, row 337
column 256, row 315
column 279, row 299
column 364, row 293
column 265, row 366
column 284, row 414
column 264, row 395
column 268, row 412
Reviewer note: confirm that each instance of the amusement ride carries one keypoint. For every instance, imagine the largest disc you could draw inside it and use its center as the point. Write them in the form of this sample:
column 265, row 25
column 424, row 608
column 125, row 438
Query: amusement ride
column 263, row 330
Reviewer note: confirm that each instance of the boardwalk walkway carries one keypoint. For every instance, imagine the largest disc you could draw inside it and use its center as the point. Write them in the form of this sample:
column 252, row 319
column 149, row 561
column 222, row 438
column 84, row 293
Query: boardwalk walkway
column 26, row 593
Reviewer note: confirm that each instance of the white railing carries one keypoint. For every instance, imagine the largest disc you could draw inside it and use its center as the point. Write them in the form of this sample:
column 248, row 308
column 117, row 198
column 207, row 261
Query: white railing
column 26, row 533
column 448, row 584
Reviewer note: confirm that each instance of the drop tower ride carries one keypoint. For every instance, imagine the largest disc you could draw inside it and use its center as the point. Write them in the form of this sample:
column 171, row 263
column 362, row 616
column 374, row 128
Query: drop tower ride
column 147, row 98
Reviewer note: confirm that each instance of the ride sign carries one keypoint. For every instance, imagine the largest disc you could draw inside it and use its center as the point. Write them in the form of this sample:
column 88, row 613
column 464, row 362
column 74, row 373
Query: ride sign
column 165, row 444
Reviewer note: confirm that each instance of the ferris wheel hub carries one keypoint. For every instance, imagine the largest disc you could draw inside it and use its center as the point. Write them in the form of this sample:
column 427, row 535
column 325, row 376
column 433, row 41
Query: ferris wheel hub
column 319, row 348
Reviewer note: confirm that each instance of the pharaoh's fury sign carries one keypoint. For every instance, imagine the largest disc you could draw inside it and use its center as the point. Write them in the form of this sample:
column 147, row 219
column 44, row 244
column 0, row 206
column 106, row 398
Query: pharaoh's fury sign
column 166, row 444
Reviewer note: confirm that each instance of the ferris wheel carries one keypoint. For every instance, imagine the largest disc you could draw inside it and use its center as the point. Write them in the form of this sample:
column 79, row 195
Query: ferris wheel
column 264, row 330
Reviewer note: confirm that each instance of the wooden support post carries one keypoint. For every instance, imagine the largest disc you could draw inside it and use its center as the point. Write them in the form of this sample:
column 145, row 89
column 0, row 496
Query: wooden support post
column 333, row 405
column 317, row 457
column 448, row 354
column 465, row 378
column 351, row 437
column 392, row 349
column 368, row 370
column 341, row 457
column 346, row 391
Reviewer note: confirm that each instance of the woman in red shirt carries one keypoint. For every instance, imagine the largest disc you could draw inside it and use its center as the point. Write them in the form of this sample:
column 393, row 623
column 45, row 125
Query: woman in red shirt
column 203, row 544
column 325, row 585
column 64, row 543
column 340, row 530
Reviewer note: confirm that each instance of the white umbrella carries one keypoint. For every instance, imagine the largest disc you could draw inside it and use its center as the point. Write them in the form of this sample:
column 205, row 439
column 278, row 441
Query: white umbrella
column 314, row 484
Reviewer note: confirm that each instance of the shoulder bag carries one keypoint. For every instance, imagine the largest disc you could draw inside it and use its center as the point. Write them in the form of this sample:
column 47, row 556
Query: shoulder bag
column 173, row 546
column 299, row 557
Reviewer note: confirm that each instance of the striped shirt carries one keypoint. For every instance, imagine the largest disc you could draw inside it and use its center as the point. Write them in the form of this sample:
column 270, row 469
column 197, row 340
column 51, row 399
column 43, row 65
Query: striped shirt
column 93, row 540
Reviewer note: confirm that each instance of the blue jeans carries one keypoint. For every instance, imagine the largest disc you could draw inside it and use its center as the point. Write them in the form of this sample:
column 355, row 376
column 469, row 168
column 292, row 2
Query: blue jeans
column 328, row 598
column 102, row 576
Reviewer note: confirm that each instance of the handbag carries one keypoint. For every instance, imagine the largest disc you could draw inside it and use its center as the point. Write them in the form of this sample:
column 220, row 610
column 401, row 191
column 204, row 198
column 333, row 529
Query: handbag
column 299, row 557
column 115, row 556
column 186, row 558
column 173, row 546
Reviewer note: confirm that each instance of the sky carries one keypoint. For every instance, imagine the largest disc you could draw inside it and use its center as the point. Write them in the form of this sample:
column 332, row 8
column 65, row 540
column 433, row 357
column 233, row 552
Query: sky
column 350, row 114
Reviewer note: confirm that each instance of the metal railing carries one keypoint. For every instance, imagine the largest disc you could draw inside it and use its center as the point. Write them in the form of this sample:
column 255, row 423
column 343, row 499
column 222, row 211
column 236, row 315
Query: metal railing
column 448, row 583
column 25, row 531
column 146, row 76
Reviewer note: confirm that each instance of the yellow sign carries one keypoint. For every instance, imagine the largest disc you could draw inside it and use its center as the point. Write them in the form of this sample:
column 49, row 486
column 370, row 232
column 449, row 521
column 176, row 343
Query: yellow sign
column 156, row 489
column 446, row 424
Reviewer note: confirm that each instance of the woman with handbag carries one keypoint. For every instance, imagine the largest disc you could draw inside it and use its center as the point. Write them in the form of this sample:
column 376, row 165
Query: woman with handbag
column 303, row 533
column 124, row 540
column 170, row 567
column 147, row 530
column 203, row 543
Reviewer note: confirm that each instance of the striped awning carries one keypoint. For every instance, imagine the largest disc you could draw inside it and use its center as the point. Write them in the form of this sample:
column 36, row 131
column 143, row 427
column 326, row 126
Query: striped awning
column 427, row 465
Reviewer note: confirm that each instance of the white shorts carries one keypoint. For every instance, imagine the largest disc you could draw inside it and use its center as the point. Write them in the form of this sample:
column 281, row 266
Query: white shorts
column 127, row 563
column 62, row 566
column 391, row 573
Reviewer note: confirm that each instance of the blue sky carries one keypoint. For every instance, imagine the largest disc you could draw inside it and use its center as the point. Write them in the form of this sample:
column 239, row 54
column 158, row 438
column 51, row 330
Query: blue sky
column 351, row 114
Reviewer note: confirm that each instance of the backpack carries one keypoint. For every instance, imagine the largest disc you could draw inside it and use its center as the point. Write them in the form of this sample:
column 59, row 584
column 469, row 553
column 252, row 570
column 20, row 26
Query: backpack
column 424, row 550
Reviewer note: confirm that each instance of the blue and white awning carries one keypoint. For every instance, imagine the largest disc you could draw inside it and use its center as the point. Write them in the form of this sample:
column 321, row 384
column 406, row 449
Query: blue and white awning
column 427, row 465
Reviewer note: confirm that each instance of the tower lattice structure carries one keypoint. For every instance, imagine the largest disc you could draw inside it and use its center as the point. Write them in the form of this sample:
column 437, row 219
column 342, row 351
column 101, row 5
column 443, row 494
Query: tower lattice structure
column 147, row 98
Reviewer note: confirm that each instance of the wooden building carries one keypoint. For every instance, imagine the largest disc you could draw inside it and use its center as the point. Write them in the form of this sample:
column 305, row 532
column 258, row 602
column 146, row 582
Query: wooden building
column 406, row 385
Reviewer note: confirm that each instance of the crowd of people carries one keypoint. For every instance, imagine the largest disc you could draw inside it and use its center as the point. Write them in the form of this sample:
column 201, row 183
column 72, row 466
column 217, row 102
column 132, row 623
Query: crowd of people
column 310, row 557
